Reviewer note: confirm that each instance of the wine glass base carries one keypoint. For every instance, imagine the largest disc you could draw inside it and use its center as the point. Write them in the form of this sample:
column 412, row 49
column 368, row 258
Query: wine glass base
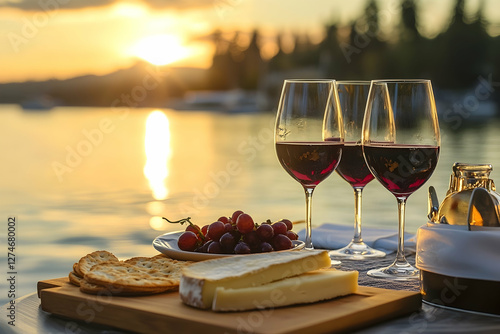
column 356, row 251
column 335, row 263
column 396, row 271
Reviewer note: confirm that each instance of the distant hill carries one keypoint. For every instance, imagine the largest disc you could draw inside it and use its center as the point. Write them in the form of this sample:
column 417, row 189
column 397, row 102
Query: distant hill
column 141, row 85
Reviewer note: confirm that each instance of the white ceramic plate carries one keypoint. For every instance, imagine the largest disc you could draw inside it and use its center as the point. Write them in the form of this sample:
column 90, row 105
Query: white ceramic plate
column 167, row 244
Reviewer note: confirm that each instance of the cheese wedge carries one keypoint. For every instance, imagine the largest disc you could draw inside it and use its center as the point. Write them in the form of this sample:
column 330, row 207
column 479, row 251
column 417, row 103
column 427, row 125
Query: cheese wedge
column 199, row 280
column 306, row 288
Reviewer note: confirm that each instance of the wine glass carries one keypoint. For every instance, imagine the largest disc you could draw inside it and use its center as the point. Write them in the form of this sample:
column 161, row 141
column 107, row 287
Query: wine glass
column 299, row 135
column 352, row 167
column 401, row 144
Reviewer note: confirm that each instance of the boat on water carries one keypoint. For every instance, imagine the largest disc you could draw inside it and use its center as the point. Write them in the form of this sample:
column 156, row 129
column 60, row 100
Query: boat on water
column 38, row 103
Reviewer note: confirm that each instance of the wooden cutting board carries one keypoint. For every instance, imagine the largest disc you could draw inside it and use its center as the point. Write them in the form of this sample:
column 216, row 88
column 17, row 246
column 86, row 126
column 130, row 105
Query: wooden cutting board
column 165, row 313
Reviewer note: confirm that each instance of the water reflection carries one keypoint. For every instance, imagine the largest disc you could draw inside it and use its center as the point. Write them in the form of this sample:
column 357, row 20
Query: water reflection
column 156, row 210
column 157, row 223
column 158, row 152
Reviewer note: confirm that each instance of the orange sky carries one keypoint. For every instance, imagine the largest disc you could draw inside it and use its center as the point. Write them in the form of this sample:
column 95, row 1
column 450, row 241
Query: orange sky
column 58, row 43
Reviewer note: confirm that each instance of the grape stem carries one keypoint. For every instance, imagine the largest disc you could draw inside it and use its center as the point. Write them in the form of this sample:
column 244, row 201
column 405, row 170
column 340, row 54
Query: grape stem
column 181, row 221
column 187, row 220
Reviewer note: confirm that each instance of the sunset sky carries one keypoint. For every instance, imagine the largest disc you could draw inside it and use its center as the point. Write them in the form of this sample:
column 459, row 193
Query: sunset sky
column 45, row 39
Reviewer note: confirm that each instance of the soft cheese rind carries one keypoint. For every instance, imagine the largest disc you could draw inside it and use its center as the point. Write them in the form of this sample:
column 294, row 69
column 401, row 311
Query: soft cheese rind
column 199, row 280
column 306, row 288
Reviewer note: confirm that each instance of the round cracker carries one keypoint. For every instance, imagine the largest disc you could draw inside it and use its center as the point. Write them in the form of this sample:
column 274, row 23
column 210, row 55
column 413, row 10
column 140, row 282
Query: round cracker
column 76, row 270
column 95, row 289
column 130, row 277
column 90, row 260
column 102, row 272
column 74, row 279
column 161, row 265
column 90, row 288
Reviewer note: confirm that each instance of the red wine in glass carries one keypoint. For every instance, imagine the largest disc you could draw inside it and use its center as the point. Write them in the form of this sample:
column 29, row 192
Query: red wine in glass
column 309, row 162
column 352, row 166
column 308, row 112
column 401, row 144
column 402, row 169
column 353, row 96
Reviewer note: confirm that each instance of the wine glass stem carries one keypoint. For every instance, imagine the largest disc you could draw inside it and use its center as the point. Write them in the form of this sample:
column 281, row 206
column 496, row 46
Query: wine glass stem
column 400, row 256
column 309, row 193
column 357, row 215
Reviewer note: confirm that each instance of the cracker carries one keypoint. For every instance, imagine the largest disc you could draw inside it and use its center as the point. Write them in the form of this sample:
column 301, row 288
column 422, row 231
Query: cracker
column 95, row 289
column 75, row 279
column 135, row 260
column 89, row 260
column 102, row 272
column 132, row 277
column 76, row 270
column 159, row 264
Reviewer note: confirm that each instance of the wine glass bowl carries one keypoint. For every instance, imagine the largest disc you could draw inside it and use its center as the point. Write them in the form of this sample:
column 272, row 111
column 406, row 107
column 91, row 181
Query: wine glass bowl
column 401, row 142
column 352, row 168
column 301, row 145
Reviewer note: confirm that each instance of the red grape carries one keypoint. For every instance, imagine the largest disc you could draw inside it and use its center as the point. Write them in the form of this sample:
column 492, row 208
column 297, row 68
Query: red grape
column 215, row 248
column 266, row 247
column 289, row 224
column 196, row 230
column 228, row 241
column 224, row 219
column 281, row 242
column 228, row 227
column 235, row 215
column 216, row 230
column 193, row 228
column 204, row 248
column 279, row 228
column 245, row 223
column 251, row 238
column 242, row 248
column 188, row 241
column 292, row 235
column 204, row 229
column 265, row 232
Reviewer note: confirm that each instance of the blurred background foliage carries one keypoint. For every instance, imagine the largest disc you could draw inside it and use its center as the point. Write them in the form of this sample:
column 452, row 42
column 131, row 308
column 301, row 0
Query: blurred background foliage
column 453, row 59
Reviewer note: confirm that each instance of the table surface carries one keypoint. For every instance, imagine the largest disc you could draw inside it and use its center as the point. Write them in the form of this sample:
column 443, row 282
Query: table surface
column 30, row 319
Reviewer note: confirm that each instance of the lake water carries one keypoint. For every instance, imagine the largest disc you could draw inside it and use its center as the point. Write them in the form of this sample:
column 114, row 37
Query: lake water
column 83, row 179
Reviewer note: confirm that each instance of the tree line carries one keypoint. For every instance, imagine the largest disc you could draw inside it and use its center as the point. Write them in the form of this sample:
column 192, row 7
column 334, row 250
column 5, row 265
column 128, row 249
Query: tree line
column 454, row 59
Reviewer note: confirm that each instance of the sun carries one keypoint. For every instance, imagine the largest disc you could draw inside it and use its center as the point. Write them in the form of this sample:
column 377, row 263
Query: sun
column 160, row 49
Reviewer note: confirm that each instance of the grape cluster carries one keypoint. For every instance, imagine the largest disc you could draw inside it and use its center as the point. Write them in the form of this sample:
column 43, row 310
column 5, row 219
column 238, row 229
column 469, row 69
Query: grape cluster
column 237, row 234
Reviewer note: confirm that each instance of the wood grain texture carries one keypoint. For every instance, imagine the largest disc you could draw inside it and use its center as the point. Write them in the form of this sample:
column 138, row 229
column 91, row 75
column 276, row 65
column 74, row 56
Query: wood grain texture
column 165, row 313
